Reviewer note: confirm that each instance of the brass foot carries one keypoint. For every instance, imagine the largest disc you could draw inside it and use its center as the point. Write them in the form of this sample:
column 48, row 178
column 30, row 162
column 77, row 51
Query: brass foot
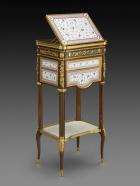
column 61, row 173
column 102, row 162
column 78, row 149
column 37, row 162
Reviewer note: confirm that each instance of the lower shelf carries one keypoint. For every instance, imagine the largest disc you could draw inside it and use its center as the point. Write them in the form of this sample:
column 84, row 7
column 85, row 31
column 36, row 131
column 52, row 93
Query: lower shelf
column 73, row 129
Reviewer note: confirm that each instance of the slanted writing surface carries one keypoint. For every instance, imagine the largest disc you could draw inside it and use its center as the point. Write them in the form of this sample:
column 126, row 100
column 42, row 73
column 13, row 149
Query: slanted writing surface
column 74, row 28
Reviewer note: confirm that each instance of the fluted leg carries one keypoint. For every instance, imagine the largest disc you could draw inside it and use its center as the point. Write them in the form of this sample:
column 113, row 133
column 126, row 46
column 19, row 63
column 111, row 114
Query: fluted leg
column 40, row 119
column 102, row 134
column 61, row 128
column 38, row 142
column 101, row 104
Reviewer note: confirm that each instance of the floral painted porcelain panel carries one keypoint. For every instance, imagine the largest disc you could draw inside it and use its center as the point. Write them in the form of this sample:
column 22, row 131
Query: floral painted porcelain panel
column 48, row 76
column 86, row 63
column 48, row 63
column 74, row 28
column 83, row 78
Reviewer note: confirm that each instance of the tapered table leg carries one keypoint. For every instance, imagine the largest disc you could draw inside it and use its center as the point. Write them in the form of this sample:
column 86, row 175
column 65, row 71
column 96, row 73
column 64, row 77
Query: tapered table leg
column 78, row 143
column 61, row 128
column 102, row 133
column 40, row 118
column 38, row 142
column 78, row 113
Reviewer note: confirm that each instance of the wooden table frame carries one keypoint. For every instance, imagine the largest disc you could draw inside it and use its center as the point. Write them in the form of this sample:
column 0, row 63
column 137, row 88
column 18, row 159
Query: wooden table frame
column 62, row 54
column 62, row 121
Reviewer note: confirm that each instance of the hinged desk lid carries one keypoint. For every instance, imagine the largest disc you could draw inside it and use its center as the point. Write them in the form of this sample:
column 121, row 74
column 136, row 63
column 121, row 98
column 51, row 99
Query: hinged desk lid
column 74, row 28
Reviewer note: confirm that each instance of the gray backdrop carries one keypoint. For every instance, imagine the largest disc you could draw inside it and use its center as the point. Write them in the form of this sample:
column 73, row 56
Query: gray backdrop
column 20, row 27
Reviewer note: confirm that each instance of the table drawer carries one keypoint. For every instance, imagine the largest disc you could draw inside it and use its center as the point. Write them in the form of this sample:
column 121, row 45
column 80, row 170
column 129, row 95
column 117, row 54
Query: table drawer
column 48, row 71
column 48, row 63
column 83, row 63
column 83, row 78
column 48, row 76
column 84, row 72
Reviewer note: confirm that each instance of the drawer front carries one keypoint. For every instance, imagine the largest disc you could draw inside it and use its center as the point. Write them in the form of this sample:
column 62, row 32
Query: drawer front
column 83, row 78
column 83, row 73
column 49, row 71
column 48, row 63
column 48, row 76
column 86, row 63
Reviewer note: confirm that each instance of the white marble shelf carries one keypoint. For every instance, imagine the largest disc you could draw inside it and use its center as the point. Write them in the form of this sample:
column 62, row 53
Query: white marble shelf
column 72, row 129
